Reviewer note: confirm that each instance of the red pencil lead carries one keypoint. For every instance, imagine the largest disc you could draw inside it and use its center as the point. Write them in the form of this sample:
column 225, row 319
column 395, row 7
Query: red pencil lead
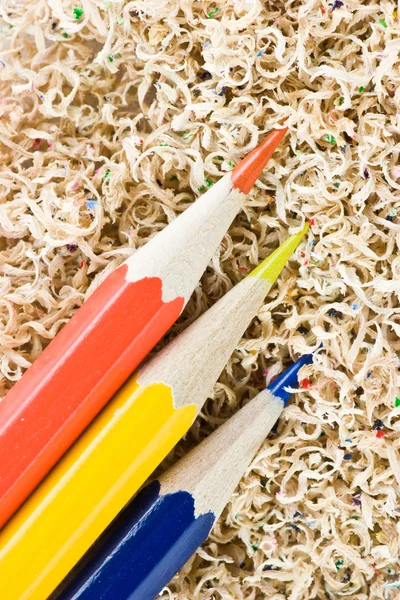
column 245, row 174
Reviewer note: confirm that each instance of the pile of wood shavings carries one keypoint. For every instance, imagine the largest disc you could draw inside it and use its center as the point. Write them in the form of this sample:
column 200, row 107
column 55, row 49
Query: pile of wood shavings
column 115, row 116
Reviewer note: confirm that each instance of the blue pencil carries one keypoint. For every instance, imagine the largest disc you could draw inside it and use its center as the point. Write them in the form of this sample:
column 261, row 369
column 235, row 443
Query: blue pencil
column 169, row 519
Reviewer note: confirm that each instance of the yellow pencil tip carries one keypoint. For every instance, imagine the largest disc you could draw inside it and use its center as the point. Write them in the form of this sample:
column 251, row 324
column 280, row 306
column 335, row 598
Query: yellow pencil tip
column 272, row 266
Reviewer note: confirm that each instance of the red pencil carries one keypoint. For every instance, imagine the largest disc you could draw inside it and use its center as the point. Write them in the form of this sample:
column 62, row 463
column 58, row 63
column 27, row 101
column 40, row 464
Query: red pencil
column 111, row 333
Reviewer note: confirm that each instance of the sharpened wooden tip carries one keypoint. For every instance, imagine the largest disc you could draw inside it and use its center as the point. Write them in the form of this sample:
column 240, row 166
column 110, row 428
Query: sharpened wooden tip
column 245, row 174
column 272, row 266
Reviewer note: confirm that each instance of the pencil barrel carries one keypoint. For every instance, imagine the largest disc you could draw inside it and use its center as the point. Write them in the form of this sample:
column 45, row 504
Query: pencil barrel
column 157, row 534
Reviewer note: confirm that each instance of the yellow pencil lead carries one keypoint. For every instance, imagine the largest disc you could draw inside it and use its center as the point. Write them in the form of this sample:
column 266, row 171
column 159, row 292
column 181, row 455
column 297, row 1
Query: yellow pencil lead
column 272, row 266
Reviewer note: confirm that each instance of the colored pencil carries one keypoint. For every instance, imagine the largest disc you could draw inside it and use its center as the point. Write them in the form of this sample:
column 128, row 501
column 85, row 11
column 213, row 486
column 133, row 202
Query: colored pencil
column 121, row 448
column 169, row 519
column 108, row 337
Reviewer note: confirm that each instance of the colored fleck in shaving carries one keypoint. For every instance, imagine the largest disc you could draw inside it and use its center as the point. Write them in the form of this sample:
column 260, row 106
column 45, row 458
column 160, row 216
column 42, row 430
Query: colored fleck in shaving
column 92, row 112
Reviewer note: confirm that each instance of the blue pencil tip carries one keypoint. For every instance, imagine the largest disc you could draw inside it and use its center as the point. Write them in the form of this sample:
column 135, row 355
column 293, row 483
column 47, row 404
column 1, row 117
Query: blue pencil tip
column 288, row 378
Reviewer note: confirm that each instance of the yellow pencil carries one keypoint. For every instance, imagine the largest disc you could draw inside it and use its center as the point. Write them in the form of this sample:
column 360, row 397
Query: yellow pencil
column 120, row 449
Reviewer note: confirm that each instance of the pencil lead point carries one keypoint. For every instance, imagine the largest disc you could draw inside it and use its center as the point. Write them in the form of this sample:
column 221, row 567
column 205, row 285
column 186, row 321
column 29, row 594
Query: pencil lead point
column 289, row 378
column 271, row 267
column 245, row 174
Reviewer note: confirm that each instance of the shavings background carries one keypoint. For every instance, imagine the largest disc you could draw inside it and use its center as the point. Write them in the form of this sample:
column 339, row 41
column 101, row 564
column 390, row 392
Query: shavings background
column 134, row 107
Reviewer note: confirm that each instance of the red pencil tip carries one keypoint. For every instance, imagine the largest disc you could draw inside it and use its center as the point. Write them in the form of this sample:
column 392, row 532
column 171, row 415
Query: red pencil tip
column 245, row 174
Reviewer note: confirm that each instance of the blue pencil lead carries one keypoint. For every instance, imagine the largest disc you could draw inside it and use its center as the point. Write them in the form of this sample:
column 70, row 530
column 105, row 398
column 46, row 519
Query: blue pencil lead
column 288, row 379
